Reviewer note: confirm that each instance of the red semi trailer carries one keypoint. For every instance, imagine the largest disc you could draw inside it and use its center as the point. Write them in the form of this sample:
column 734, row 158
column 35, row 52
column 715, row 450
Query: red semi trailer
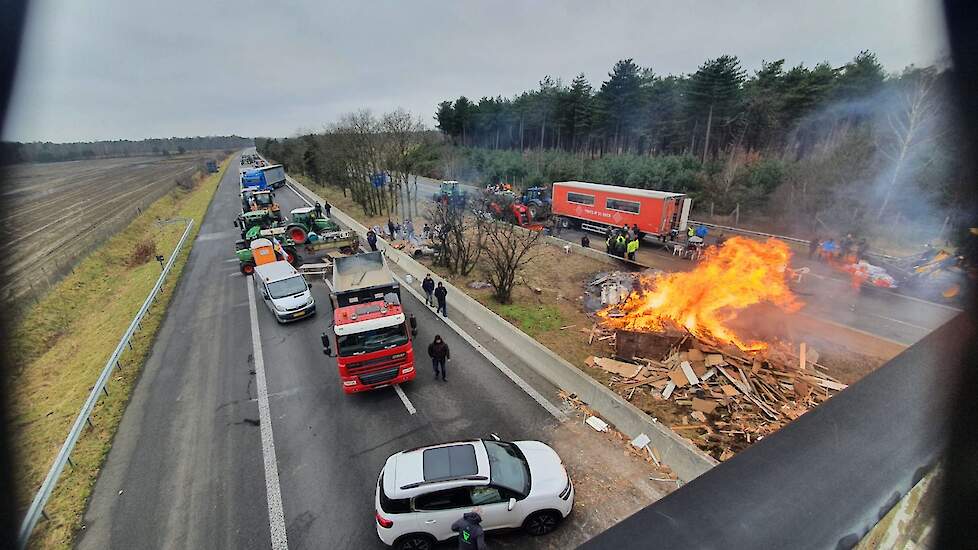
column 596, row 207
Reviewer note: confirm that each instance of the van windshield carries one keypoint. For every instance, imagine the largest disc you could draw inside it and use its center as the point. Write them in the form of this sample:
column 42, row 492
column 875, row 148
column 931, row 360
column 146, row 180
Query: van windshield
column 286, row 287
column 374, row 340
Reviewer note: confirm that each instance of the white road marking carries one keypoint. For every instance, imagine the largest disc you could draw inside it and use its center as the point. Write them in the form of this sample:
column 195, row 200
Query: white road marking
column 276, row 515
column 523, row 385
column 404, row 399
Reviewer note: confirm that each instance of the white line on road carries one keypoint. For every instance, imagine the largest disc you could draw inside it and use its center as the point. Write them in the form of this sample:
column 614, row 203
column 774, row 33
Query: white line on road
column 276, row 515
column 523, row 385
column 404, row 399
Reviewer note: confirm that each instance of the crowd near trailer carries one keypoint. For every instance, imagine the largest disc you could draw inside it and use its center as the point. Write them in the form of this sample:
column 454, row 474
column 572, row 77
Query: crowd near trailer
column 596, row 207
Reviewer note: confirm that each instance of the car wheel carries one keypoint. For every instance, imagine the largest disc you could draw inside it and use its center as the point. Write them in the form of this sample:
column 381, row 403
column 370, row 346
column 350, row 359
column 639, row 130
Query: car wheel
column 247, row 268
column 541, row 523
column 415, row 541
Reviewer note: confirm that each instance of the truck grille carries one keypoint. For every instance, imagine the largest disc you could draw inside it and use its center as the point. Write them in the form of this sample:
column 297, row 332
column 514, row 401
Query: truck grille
column 379, row 376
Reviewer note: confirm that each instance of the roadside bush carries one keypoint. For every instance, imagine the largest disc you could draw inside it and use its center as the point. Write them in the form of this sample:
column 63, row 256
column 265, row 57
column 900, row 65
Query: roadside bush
column 143, row 252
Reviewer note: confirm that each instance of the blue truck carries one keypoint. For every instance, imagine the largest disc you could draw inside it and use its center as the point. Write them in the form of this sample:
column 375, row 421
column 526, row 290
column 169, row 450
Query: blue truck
column 266, row 177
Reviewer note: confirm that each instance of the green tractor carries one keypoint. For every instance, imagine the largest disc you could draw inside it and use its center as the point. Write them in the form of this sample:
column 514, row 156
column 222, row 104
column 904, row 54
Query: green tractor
column 451, row 193
column 304, row 225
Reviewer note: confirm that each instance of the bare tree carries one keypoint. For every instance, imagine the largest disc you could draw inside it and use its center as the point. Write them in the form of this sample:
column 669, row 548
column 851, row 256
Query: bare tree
column 909, row 126
column 459, row 236
column 508, row 249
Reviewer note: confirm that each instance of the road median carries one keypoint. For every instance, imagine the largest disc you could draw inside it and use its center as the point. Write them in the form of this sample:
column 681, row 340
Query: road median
column 685, row 459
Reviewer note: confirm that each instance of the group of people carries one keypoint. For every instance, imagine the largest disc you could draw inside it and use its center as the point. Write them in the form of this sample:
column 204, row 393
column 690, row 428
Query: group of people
column 403, row 229
column 848, row 249
column 323, row 208
column 437, row 295
column 622, row 242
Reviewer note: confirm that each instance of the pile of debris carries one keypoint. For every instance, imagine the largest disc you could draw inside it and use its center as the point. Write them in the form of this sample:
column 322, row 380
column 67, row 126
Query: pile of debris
column 732, row 397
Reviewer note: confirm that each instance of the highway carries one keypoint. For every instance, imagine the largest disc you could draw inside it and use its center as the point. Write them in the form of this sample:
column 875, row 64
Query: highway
column 220, row 425
column 827, row 293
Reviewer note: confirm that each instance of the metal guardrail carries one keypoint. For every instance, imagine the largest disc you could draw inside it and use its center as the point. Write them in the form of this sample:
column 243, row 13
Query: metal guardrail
column 36, row 509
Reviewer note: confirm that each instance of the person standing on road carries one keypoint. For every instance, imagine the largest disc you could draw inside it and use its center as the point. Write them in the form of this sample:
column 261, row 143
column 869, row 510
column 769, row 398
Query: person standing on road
column 428, row 286
column 327, row 207
column 440, row 354
column 390, row 227
column 409, row 229
column 585, row 242
column 470, row 533
column 441, row 294
column 620, row 245
column 319, row 210
column 372, row 240
column 632, row 248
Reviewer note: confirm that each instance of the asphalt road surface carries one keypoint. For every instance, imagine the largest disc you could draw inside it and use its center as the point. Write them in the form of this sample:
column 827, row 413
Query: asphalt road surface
column 187, row 468
column 827, row 294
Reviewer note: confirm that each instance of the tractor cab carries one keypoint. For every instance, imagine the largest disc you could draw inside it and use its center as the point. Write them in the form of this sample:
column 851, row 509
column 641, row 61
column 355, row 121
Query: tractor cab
column 303, row 224
column 450, row 193
column 265, row 200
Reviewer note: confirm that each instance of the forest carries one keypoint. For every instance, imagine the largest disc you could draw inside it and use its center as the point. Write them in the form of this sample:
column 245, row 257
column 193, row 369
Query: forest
column 795, row 150
column 16, row 152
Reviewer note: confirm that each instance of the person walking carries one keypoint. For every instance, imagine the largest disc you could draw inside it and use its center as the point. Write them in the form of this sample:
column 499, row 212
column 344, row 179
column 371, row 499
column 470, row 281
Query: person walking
column 440, row 355
column 585, row 241
column 441, row 295
column 428, row 286
column 470, row 533
column 409, row 229
column 319, row 210
column 372, row 240
column 327, row 207
column 390, row 227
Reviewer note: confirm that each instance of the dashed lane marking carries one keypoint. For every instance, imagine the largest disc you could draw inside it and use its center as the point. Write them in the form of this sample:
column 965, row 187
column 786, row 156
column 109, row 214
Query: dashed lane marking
column 404, row 399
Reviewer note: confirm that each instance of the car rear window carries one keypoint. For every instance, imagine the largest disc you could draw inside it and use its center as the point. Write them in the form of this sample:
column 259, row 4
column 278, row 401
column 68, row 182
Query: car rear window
column 392, row 505
column 449, row 462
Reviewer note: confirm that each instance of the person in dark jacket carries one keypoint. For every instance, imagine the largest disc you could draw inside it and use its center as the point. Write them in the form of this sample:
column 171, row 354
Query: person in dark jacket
column 441, row 294
column 428, row 286
column 440, row 354
column 372, row 240
column 327, row 207
column 318, row 209
column 391, row 227
column 470, row 533
column 585, row 241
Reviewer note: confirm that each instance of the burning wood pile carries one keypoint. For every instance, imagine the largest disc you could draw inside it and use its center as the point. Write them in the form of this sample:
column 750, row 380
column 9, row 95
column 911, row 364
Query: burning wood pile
column 728, row 398
column 678, row 332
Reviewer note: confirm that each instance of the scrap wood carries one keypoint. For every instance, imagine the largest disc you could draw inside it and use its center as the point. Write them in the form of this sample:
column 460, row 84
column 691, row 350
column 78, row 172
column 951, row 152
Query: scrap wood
column 668, row 389
column 688, row 371
column 689, row 426
column 621, row 368
column 714, row 359
column 567, row 327
column 704, row 405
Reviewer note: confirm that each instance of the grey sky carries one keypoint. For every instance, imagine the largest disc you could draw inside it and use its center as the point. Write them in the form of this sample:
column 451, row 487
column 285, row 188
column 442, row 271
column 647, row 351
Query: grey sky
column 110, row 69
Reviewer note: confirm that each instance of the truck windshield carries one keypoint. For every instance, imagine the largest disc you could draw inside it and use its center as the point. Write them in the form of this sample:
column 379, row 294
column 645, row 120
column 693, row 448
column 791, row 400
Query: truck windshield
column 374, row 340
column 507, row 467
column 287, row 287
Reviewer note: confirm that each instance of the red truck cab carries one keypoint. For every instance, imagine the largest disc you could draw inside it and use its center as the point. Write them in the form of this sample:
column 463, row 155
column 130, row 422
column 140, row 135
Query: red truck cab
column 373, row 346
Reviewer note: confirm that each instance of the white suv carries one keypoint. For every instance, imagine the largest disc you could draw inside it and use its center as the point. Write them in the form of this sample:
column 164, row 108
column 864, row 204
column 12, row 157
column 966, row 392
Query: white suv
column 421, row 492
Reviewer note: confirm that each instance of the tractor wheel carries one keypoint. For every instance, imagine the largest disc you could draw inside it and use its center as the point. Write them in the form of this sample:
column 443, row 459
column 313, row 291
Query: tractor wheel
column 531, row 209
column 247, row 268
column 296, row 233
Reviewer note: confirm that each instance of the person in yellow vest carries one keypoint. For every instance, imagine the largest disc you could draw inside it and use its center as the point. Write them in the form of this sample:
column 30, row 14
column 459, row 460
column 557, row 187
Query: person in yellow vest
column 690, row 233
column 620, row 244
column 632, row 248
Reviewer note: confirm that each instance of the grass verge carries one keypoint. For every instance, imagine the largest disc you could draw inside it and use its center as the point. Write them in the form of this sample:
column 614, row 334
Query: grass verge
column 62, row 343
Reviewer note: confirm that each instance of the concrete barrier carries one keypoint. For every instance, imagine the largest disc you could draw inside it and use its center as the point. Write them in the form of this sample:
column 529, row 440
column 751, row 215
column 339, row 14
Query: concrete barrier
column 683, row 457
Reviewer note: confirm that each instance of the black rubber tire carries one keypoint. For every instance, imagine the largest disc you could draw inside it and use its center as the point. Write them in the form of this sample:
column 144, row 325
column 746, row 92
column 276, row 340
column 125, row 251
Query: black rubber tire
column 541, row 523
column 247, row 268
column 415, row 541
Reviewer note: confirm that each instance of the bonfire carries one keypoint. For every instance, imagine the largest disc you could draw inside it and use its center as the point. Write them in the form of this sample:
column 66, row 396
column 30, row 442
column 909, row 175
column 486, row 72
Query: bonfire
column 728, row 279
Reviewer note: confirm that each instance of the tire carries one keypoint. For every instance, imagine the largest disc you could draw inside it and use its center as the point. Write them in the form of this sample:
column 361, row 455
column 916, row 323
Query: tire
column 247, row 268
column 541, row 523
column 564, row 223
column 531, row 209
column 415, row 541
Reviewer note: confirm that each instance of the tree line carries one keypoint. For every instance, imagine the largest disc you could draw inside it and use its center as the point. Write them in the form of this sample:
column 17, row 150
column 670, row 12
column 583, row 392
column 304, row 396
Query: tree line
column 16, row 152
column 370, row 157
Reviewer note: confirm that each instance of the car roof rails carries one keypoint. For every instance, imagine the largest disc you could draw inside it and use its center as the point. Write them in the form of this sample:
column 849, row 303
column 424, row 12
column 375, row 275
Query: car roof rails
column 429, row 482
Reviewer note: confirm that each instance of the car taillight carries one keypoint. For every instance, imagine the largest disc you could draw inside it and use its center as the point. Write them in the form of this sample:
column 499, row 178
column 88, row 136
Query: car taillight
column 383, row 522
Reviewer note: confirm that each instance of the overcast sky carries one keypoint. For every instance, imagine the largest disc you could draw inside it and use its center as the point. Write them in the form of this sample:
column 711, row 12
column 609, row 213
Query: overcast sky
column 110, row 69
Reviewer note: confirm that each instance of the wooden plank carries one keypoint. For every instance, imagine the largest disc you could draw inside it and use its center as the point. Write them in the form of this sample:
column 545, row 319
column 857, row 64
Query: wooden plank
column 694, row 355
column 668, row 390
column 628, row 370
column 801, row 355
column 830, row 385
column 678, row 378
column 729, row 390
column 704, row 405
column 688, row 371
column 715, row 359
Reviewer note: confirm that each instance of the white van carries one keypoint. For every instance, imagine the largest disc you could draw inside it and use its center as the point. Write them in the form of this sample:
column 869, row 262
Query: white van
column 285, row 291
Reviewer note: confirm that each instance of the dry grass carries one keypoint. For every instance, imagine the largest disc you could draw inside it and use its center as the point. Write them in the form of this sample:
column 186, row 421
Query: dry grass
column 61, row 346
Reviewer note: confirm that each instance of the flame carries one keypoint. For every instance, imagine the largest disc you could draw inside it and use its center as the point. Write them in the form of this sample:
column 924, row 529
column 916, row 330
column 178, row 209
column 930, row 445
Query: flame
column 741, row 273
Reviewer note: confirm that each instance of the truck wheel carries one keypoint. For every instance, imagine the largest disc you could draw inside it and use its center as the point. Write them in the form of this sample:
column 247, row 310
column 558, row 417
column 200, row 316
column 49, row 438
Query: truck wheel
column 564, row 222
column 247, row 268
